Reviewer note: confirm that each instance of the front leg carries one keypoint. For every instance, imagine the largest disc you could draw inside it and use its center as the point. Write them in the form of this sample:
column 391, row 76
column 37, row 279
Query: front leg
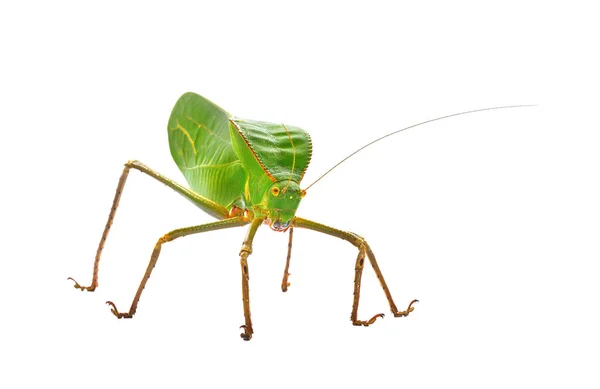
column 286, row 274
column 244, row 253
column 363, row 250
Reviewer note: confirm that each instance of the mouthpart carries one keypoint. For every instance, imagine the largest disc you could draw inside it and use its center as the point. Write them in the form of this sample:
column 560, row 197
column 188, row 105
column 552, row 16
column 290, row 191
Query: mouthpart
column 278, row 226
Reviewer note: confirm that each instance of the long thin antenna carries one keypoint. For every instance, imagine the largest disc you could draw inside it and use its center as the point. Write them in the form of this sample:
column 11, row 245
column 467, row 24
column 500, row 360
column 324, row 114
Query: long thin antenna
column 414, row 125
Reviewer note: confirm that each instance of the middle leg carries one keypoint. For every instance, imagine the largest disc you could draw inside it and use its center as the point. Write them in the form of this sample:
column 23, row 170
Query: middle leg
column 218, row 225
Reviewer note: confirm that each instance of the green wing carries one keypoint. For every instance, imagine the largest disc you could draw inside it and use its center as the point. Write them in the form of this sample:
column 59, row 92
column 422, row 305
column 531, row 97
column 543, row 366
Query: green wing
column 282, row 152
column 201, row 146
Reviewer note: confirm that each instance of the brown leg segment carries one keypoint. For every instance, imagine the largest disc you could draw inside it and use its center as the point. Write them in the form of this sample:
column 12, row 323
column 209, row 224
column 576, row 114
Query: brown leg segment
column 219, row 225
column 358, row 269
column 363, row 249
column 386, row 290
column 207, row 205
column 284, row 282
column 244, row 253
column 109, row 222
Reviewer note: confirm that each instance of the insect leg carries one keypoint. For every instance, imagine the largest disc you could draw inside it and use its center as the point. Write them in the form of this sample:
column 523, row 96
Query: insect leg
column 358, row 269
column 205, row 204
column 244, row 253
column 218, row 225
column 284, row 282
column 363, row 250
column 386, row 290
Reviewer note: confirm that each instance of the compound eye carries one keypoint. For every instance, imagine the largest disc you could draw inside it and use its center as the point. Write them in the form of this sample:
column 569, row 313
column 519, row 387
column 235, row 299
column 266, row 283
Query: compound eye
column 275, row 191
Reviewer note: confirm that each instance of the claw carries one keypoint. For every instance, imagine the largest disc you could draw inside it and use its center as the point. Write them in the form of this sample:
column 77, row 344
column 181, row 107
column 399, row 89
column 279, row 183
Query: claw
column 408, row 310
column 368, row 322
column 372, row 320
column 114, row 309
column 82, row 288
column 116, row 312
column 247, row 334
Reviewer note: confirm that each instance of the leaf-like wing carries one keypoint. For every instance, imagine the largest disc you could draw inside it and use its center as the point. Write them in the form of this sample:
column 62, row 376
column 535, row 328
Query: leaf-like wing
column 201, row 146
column 284, row 152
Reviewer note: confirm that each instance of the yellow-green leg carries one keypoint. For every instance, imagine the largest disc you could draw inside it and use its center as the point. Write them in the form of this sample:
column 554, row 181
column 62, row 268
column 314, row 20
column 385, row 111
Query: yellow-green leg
column 363, row 250
column 205, row 204
column 218, row 225
column 244, row 253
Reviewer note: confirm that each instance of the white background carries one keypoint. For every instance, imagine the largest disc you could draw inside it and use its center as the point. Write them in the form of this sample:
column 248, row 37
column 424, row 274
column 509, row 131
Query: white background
column 490, row 219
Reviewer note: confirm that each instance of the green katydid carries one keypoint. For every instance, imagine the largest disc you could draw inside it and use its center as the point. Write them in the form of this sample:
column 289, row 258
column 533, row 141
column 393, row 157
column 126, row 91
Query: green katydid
column 243, row 172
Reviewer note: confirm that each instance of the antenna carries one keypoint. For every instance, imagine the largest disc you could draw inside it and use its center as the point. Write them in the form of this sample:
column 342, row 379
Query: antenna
column 414, row 125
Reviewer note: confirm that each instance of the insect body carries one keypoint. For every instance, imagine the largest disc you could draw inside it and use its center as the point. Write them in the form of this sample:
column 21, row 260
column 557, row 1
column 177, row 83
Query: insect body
column 241, row 172
column 239, row 164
